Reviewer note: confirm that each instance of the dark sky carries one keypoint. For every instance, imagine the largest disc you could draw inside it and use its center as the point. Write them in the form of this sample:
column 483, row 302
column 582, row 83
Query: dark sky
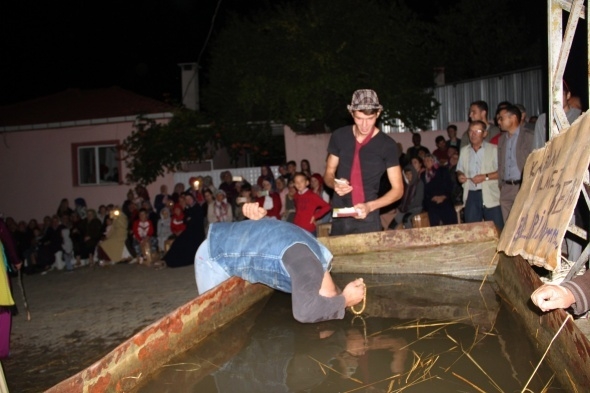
column 47, row 47
column 51, row 46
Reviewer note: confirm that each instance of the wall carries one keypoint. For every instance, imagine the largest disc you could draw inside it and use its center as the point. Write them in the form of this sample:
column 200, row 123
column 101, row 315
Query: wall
column 37, row 171
column 315, row 147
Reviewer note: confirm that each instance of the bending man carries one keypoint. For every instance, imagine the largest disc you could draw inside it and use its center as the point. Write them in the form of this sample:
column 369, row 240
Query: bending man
column 280, row 255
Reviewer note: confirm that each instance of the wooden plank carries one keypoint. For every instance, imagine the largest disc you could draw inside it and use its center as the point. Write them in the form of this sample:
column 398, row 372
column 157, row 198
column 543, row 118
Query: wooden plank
column 123, row 368
column 569, row 354
column 394, row 240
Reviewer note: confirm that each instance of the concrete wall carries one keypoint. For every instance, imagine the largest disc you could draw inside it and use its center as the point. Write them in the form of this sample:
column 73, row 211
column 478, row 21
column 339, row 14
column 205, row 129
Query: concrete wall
column 37, row 170
column 315, row 147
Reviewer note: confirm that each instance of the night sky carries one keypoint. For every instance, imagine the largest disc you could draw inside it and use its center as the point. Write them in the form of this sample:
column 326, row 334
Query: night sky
column 47, row 47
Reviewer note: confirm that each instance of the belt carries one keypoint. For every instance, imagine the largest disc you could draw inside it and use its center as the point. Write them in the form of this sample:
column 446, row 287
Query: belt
column 513, row 182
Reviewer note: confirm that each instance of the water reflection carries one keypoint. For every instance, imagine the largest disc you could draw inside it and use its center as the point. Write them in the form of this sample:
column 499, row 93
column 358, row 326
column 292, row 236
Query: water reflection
column 419, row 334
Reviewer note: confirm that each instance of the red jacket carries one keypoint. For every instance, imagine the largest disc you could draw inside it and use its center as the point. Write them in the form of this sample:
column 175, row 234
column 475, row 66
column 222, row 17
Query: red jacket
column 276, row 202
column 308, row 205
column 142, row 229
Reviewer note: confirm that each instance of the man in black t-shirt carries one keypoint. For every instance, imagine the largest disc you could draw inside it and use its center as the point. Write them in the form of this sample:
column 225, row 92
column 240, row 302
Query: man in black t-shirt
column 358, row 156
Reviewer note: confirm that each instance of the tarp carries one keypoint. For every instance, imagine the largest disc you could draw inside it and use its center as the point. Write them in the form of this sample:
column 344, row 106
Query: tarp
column 552, row 180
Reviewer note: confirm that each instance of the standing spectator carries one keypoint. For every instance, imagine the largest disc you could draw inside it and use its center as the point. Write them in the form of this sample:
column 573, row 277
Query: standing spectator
column 80, row 207
column 92, row 234
column 162, row 199
column 453, row 140
column 178, row 191
column 305, row 168
column 64, row 208
column 358, row 155
column 441, row 153
column 9, row 261
column 289, row 213
column 478, row 110
column 309, row 206
column 208, row 184
column 457, row 194
column 291, row 169
column 229, row 187
column 415, row 150
column 411, row 202
column 282, row 191
column 245, row 197
column 284, row 173
column 438, row 189
column 266, row 174
column 477, row 170
column 514, row 146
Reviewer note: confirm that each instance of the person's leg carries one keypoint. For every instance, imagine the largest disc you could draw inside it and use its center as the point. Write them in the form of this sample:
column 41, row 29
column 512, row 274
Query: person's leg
column 507, row 197
column 474, row 207
column 494, row 214
column 208, row 273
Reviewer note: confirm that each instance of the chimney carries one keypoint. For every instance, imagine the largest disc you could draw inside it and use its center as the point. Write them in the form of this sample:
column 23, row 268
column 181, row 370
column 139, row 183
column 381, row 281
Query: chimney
column 190, row 85
column 439, row 76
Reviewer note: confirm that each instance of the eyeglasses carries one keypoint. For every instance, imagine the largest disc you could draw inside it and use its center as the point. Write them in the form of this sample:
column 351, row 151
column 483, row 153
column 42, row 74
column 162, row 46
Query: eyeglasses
column 476, row 131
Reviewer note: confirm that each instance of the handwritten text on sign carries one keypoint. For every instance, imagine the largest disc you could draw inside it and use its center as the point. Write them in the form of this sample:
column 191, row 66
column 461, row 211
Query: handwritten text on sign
column 552, row 179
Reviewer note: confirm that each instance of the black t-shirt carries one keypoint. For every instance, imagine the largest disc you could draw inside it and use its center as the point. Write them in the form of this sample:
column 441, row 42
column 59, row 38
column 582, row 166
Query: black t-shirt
column 379, row 154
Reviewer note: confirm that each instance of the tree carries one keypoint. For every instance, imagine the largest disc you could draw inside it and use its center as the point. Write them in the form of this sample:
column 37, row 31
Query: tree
column 298, row 61
column 154, row 148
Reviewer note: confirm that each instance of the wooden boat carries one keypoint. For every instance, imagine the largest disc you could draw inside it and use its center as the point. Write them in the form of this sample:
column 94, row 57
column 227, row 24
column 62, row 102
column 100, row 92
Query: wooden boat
column 430, row 251
column 569, row 354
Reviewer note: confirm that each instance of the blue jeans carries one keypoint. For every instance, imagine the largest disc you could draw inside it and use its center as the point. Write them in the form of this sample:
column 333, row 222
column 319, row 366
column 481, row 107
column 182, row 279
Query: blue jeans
column 475, row 211
column 208, row 273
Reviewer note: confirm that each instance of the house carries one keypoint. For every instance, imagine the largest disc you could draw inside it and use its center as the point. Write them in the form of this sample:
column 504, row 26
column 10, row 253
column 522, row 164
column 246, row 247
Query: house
column 65, row 146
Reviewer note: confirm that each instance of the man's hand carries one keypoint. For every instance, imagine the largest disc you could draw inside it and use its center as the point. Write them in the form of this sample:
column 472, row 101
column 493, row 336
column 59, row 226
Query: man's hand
column 253, row 211
column 342, row 187
column 362, row 210
column 549, row 296
column 478, row 179
column 354, row 292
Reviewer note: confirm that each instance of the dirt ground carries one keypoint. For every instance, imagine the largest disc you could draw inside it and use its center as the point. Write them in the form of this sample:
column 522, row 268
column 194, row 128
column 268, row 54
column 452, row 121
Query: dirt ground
column 78, row 317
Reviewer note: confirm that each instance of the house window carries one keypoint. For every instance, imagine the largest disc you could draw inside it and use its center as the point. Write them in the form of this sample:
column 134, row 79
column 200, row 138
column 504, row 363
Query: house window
column 96, row 164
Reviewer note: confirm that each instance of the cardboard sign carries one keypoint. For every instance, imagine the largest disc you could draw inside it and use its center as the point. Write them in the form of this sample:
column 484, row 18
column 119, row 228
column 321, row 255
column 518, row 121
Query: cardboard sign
column 552, row 180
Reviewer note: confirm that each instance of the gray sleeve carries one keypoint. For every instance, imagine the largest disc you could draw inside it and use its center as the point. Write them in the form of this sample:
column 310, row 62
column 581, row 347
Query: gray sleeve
column 580, row 288
column 307, row 273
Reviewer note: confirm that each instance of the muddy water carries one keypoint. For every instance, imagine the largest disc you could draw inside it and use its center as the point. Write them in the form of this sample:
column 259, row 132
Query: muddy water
column 416, row 334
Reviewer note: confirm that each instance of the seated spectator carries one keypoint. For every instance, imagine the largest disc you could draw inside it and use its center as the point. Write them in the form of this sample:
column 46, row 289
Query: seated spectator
column 49, row 245
column 113, row 248
column 438, row 188
column 164, row 231
column 270, row 200
column 309, row 206
column 183, row 249
column 177, row 224
column 440, row 152
column 144, row 241
column 222, row 209
column 411, row 202
column 92, row 235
